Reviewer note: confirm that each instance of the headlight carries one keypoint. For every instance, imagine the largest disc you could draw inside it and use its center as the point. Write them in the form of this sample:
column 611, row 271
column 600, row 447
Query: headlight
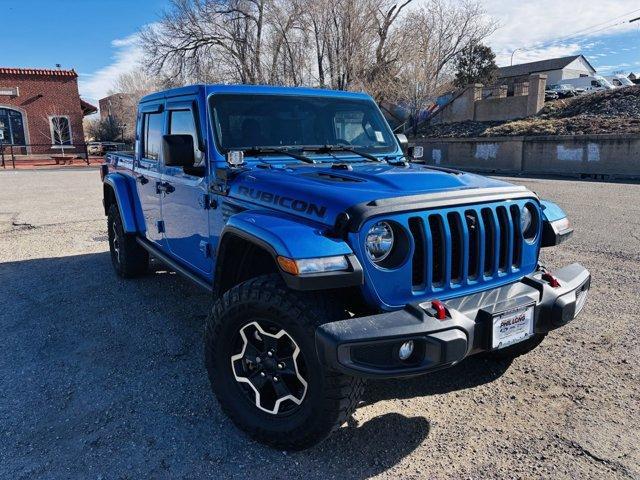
column 529, row 221
column 379, row 241
column 525, row 219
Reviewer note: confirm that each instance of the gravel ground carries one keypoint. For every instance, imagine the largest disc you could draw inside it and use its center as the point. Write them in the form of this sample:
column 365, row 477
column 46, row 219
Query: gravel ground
column 103, row 378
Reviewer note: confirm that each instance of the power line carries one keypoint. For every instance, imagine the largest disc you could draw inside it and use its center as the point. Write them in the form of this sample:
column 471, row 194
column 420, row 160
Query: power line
column 584, row 31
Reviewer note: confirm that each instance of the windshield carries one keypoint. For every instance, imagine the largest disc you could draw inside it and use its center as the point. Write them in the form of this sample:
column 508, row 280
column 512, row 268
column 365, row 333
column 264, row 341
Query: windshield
column 248, row 121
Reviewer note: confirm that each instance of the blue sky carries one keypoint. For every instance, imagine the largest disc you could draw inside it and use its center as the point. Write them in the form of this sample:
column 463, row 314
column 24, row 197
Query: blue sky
column 98, row 37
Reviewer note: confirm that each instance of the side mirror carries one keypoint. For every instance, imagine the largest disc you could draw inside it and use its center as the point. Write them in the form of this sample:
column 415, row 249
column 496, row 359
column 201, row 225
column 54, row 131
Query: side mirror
column 403, row 141
column 177, row 151
column 416, row 152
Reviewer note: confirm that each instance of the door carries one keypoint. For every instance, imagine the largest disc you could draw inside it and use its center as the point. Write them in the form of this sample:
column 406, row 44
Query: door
column 148, row 169
column 185, row 204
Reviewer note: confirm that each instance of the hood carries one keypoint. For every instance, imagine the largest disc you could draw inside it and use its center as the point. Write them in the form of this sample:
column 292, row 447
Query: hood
column 320, row 192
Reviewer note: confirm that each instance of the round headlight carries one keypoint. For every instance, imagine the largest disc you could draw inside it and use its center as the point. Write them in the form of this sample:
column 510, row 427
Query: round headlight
column 528, row 221
column 525, row 219
column 379, row 241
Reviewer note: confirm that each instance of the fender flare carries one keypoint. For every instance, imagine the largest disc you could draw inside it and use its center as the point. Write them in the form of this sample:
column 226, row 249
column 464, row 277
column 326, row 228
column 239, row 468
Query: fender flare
column 284, row 235
column 554, row 231
column 551, row 211
column 124, row 200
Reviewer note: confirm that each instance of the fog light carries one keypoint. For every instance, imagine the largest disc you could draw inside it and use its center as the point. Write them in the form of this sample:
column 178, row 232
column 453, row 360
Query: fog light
column 406, row 349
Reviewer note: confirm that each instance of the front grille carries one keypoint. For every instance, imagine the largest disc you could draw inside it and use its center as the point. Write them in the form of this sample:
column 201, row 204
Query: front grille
column 464, row 246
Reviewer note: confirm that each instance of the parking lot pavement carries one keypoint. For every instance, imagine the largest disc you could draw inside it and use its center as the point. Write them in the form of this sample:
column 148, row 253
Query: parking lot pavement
column 104, row 378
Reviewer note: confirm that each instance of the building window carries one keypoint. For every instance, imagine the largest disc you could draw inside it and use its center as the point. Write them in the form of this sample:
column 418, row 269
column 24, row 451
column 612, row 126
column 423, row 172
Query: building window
column 12, row 127
column 60, row 130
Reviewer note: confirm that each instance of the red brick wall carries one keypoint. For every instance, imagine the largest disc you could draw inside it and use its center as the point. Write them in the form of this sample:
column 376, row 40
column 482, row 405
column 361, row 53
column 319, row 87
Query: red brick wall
column 41, row 96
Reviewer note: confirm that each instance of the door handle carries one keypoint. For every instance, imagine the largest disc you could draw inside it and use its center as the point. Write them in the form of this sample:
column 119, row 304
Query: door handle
column 164, row 187
column 143, row 180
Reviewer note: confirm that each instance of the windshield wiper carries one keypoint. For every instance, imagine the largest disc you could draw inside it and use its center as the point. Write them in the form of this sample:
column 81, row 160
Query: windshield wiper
column 283, row 150
column 345, row 148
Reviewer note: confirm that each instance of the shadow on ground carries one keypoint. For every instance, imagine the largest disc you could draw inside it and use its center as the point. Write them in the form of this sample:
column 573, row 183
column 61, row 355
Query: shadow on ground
column 101, row 376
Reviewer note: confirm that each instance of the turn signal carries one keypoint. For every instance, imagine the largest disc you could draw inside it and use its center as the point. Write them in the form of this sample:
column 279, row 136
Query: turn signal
column 288, row 265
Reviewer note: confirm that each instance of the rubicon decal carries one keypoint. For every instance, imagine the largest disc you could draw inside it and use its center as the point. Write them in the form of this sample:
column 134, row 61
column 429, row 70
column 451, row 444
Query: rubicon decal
column 297, row 205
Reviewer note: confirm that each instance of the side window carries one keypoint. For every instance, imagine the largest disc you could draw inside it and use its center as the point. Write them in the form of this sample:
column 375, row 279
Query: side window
column 152, row 135
column 595, row 83
column 617, row 82
column 182, row 122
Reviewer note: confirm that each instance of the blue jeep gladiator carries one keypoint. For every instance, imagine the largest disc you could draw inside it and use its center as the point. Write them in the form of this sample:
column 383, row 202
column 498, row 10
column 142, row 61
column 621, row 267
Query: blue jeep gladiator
column 332, row 252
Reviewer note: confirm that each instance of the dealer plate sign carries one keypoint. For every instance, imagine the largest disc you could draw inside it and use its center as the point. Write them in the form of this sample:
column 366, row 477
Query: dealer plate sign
column 512, row 326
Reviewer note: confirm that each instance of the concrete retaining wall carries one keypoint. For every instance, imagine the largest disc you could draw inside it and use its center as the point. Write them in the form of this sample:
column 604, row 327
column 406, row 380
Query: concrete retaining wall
column 608, row 155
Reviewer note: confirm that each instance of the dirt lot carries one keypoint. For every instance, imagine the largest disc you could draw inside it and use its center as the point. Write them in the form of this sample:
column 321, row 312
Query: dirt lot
column 103, row 378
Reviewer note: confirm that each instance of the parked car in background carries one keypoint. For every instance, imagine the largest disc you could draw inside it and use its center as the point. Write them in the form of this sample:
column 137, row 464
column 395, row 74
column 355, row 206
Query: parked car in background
column 95, row 148
column 550, row 95
column 619, row 81
column 563, row 90
column 595, row 83
column 101, row 148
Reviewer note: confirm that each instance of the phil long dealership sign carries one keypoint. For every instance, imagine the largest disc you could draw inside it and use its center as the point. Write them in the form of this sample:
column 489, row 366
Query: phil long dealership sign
column 9, row 91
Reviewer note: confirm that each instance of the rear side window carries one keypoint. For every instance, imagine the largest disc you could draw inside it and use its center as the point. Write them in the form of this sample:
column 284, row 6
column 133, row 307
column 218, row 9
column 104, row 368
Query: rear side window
column 182, row 122
column 152, row 135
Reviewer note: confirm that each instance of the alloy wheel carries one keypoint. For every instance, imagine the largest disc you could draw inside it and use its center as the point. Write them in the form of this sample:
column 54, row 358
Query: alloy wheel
column 269, row 368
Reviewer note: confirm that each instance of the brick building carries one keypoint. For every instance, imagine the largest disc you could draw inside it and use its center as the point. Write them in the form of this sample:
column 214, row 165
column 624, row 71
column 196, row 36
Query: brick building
column 123, row 108
column 41, row 110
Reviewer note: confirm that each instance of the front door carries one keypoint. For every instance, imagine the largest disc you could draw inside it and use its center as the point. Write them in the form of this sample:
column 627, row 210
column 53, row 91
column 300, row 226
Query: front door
column 148, row 170
column 185, row 201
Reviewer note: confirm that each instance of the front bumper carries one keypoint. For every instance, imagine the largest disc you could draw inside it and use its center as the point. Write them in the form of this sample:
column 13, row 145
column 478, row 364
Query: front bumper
column 368, row 346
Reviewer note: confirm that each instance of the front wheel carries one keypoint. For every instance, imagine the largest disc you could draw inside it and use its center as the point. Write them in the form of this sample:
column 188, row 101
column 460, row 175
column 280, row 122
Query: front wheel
column 261, row 359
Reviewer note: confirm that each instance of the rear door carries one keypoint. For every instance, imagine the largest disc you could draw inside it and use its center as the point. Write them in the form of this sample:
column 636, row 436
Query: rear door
column 185, row 200
column 147, row 168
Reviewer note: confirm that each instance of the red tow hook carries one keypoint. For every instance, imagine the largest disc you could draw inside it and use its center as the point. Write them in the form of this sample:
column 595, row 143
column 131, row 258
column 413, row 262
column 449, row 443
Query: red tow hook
column 550, row 279
column 441, row 311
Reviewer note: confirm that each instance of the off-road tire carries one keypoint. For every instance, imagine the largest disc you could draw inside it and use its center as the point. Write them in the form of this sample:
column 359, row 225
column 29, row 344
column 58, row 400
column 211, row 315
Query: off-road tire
column 518, row 349
column 129, row 259
column 331, row 397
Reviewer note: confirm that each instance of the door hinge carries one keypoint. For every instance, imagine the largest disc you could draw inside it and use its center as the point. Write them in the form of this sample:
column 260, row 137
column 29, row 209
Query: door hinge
column 205, row 248
column 207, row 201
column 160, row 225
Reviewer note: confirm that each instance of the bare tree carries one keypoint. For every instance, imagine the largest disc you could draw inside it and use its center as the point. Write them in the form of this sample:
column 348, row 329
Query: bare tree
column 439, row 32
column 59, row 131
column 393, row 49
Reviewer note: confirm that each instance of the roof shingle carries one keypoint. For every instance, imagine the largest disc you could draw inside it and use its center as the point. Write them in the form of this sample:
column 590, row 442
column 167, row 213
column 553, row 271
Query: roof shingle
column 38, row 71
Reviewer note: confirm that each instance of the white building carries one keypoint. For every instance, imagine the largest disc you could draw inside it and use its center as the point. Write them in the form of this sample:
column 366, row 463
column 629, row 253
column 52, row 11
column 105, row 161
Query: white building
column 556, row 70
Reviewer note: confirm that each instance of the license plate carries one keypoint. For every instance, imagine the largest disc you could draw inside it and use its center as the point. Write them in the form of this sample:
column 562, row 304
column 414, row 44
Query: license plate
column 512, row 326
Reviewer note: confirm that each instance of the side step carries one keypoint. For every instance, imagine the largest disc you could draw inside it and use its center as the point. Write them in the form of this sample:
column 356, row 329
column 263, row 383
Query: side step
column 155, row 252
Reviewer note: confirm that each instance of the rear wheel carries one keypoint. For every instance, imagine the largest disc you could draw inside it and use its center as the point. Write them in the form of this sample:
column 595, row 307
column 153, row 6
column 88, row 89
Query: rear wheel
column 262, row 363
column 129, row 259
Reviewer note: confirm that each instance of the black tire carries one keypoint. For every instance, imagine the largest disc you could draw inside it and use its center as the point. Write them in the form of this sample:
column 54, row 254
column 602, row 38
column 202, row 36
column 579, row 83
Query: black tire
column 129, row 259
column 518, row 349
column 331, row 397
